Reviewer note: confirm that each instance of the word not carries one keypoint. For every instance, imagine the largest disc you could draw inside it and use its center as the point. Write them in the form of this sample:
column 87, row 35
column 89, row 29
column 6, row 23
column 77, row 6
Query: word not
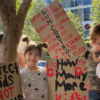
column 7, row 93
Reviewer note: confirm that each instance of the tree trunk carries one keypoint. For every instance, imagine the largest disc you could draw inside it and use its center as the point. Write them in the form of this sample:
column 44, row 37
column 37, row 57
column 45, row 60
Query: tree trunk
column 13, row 25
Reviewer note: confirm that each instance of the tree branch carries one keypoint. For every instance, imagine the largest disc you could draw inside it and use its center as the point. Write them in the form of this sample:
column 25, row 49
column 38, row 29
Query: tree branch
column 7, row 11
column 21, row 15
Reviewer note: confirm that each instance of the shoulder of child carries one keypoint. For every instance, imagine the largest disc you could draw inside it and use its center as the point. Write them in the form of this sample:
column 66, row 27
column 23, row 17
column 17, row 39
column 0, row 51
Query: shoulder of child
column 22, row 70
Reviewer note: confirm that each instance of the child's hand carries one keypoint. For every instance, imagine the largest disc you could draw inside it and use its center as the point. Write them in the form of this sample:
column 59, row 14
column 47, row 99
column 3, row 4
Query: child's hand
column 92, row 51
column 87, row 85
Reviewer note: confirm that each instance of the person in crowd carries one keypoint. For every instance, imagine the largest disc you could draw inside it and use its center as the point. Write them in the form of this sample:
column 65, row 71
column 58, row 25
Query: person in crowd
column 20, row 59
column 92, row 58
column 33, row 77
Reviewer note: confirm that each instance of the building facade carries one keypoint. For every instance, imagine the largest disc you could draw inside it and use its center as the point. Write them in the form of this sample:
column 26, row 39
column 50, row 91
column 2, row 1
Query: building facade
column 81, row 8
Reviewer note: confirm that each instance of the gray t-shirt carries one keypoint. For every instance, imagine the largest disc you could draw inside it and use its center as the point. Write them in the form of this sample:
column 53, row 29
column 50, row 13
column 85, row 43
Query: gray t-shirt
column 34, row 84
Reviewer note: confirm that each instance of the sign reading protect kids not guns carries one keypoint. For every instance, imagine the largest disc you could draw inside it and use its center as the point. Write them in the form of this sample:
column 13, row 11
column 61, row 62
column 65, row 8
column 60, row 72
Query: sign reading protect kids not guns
column 10, row 83
column 54, row 26
column 66, row 79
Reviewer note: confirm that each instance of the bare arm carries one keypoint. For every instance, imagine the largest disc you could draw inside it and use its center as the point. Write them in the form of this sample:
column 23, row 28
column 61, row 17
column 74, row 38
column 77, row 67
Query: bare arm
column 95, row 59
column 21, row 61
column 83, row 54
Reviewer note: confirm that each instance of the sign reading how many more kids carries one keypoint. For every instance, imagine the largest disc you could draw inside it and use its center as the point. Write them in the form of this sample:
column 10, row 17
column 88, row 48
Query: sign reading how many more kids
column 67, row 78
column 10, row 83
column 54, row 26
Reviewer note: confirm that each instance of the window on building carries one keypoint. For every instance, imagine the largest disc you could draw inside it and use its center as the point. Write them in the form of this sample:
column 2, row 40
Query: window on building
column 87, row 14
column 73, row 11
column 64, row 4
column 86, row 2
column 79, row 13
column 78, row 3
column 86, row 33
column 72, row 3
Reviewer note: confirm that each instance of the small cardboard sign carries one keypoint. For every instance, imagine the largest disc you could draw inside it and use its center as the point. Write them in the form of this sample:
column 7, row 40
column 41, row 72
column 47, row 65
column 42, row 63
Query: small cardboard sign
column 10, row 82
column 55, row 27
column 66, row 79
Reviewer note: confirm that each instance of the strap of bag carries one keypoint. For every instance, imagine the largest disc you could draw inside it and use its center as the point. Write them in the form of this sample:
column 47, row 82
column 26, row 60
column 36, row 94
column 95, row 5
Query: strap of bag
column 87, row 54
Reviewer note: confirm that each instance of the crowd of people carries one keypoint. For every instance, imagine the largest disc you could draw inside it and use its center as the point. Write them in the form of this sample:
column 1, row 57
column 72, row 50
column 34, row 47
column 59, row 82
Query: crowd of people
column 33, row 77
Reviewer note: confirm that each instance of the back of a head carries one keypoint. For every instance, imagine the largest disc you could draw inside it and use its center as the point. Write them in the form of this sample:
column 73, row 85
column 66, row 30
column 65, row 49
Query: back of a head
column 95, row 32
column 1, row 36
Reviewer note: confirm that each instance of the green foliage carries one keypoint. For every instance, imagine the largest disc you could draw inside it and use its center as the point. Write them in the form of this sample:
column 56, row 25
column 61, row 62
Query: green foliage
column 95, row 10
column 1, row 26
column 37, row 6
column 76, row 22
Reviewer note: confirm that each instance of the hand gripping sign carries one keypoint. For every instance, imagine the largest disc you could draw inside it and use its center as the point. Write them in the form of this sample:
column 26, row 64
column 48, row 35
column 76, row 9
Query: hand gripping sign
column 55, row 27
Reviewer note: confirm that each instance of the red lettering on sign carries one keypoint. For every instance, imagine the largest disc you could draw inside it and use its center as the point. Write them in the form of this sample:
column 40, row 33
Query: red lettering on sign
column 53, row 34
column 80, row 50
column 43, row 19
column 67, row 45
column 76, row 39
column 66, row 38
column 64, row 20
column 33, row 19
column 59, row 97
column 73, row 47
column 55, row 56
column 1, row 95
column 41, row 28
column 72, row 97
column 38, row 15
column 58, row 15
column 53, row 47
column 10, row 88
column 63, row 53
column 6, row 93
column 58, row 50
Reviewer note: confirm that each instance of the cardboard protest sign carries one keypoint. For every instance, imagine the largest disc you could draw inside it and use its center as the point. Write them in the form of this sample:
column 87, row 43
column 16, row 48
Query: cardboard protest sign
column 55, row 27
column 10, row 82
column 67, row 78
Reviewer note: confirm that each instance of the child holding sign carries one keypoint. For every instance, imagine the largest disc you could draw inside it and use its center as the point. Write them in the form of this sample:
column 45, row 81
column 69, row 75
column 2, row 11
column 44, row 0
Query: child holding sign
column 92, row 63
column 33, row 77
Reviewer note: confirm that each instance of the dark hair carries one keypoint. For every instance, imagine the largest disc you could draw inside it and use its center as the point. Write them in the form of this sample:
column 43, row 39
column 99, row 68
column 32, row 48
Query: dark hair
column 1, row 36
column 31, row 45
column 95, row 32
